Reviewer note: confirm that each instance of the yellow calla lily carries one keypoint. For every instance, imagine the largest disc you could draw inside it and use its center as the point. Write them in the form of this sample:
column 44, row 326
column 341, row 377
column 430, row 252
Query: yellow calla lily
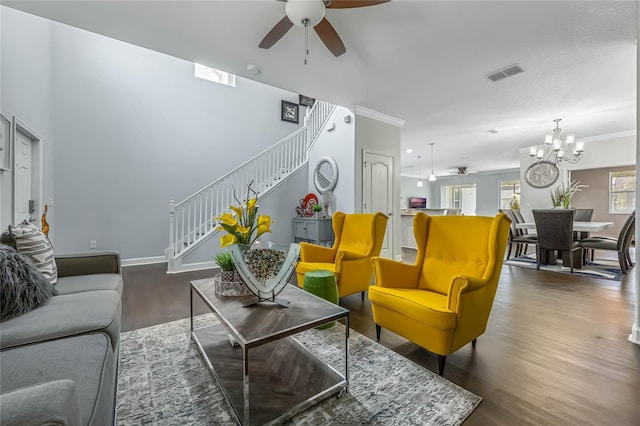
column 264, row 220
column 244, row 230
column 227, row 219
column 243, row 224
column 227, row 240
column 238, row 210
column 263, row 229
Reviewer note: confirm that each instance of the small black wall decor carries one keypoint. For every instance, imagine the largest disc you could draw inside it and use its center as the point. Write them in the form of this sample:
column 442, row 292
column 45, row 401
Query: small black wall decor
column 289, row 112
column 306, row 100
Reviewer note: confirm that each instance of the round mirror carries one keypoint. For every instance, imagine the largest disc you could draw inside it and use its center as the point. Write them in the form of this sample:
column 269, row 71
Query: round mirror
column 325, row 175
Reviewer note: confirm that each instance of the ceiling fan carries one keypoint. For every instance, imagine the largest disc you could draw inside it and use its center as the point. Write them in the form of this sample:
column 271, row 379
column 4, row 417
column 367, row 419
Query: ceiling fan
column 310, row 13
column 461, row 171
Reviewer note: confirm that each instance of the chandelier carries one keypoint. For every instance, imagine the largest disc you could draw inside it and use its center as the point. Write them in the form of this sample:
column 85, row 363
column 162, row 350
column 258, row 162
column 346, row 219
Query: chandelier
column 555, row 150
column 419, row 184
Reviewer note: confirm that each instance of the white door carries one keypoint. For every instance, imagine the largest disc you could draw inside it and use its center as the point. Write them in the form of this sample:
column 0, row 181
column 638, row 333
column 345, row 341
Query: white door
column 23, row 174
column 378, row 193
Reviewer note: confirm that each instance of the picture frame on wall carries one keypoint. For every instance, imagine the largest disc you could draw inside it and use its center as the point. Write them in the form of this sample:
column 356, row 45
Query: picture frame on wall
column 289, row 112
column 306, row 101
column 5, row 143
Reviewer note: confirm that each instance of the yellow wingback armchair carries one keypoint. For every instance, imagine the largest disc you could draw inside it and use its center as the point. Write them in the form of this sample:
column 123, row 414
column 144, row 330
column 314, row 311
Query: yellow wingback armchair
column 358, row 238
column 443, row 301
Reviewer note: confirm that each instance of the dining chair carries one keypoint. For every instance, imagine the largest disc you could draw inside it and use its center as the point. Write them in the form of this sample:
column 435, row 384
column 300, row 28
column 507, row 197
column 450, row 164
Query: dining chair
column 583, row 215
column 620, row 245
column 516, row 236
column 555, row 232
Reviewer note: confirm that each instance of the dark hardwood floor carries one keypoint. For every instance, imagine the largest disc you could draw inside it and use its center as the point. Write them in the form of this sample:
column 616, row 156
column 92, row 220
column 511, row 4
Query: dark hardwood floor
column 556, row 349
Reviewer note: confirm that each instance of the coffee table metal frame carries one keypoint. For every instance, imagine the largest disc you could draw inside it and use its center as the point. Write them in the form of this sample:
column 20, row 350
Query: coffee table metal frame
column 207, row 338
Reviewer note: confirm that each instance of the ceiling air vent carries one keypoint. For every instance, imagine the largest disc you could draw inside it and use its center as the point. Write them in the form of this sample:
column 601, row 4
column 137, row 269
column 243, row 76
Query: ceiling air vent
column 497, row 76
column 507, row 72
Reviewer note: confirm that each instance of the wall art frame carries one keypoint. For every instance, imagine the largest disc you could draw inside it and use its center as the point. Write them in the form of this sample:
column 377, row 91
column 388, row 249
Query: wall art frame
column 289, row 112
column 306, row 101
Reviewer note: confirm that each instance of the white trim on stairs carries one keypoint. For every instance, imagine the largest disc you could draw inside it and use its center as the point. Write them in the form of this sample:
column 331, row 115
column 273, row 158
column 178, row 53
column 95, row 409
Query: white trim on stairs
column 143, row 260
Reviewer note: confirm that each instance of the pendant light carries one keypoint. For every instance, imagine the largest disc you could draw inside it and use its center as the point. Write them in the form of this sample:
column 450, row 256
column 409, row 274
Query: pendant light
column 419, row 185
column 432, row 177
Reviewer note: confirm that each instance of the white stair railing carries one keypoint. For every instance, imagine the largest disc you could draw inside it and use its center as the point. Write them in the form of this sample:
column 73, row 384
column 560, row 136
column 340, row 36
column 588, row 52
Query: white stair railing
column 192, row 221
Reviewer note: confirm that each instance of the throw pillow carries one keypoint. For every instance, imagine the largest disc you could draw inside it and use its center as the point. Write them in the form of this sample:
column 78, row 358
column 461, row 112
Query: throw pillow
column 23, row 287
column 34, row 244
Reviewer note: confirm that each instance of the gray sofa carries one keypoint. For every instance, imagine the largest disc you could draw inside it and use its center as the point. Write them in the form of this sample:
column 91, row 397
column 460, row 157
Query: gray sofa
column 58, row 363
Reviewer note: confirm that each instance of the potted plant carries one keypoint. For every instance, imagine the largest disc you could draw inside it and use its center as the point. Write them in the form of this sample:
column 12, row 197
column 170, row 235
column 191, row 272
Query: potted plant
column 225, row 262
column 562, row 194
column 317, row 208
column 514, row 204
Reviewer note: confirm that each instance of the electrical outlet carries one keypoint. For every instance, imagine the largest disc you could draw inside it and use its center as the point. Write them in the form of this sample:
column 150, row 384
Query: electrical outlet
column 92, row 244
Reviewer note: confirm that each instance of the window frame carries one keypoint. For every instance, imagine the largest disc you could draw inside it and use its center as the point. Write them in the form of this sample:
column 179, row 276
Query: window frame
column 611, row 191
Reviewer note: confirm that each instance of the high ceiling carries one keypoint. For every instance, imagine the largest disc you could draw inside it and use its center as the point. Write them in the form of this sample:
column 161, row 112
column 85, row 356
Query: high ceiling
column 425, row 62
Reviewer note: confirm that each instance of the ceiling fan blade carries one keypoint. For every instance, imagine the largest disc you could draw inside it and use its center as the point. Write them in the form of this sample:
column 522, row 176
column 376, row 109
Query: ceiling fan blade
column 346, row 4
column 276, row 33
column 330, row 37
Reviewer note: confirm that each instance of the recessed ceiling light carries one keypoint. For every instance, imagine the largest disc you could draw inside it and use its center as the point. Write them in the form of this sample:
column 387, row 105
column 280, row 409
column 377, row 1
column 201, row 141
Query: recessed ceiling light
column 253, row 69
column 409, row 151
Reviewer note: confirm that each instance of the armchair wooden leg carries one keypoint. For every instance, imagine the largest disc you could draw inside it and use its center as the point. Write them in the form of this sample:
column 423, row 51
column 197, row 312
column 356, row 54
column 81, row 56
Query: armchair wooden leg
column 441, row 360
column 473, row 342
column 378, row 329
column 363, row 295
column 538, row 252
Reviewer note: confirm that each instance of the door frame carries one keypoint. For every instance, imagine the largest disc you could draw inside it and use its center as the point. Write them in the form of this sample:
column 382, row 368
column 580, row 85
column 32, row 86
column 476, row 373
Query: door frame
column 19, row 126
column 395, row 209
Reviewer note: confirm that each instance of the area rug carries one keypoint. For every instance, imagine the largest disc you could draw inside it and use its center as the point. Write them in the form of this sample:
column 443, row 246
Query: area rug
column 163, row 380
column 599, row 268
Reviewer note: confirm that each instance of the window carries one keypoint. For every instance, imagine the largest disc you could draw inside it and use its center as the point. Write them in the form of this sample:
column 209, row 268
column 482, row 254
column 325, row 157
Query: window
column 217, row 76
column 461, row 197
column 622, row 192
column 509, row 193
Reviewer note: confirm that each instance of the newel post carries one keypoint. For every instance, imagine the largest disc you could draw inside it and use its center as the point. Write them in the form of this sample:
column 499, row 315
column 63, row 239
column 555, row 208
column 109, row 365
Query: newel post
column 172, row 224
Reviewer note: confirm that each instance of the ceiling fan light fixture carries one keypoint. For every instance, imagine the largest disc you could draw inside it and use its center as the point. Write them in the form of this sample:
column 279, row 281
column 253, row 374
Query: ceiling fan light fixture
column 305, row 12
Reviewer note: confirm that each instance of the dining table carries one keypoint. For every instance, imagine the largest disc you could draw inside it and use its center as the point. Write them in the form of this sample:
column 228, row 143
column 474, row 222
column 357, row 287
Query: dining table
column 549, row 256
column 577, row 226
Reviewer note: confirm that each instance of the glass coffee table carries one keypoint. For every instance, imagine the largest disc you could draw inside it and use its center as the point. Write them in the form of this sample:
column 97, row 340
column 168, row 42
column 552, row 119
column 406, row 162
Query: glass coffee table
column 265, row 374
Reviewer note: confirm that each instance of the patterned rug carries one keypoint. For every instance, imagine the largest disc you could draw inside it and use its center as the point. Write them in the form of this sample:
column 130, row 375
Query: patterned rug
column 599, row 268
column 163, row 380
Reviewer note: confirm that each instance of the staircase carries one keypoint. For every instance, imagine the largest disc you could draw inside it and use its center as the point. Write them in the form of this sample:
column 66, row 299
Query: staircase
column 192, row 221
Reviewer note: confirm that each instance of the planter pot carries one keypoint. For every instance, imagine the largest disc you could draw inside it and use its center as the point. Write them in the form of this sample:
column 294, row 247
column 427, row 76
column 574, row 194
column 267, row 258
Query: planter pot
column 265, row 269
column 223, row 286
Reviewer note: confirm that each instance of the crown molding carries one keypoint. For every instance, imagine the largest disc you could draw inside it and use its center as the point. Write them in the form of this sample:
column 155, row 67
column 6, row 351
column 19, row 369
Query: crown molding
column 369, row 113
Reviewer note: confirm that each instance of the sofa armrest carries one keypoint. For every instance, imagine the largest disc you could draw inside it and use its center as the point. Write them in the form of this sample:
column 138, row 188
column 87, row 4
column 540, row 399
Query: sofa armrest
column 107, row 262
column 50, row 403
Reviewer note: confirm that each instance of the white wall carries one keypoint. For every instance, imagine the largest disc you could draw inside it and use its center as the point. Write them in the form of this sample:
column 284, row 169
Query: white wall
column 339, row 144
column 384, row 138
column 487, row 189
column 409, row 188
column 25, row 83
column 133, row 129
column 599, row 152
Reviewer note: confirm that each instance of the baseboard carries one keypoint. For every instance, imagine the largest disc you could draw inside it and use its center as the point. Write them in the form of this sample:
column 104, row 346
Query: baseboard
column 634, row 337
column 194, row 267
column 143, row 261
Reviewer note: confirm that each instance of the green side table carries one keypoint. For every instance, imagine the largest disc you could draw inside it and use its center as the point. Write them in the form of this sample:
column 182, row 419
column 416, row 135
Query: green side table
column 323, row 284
